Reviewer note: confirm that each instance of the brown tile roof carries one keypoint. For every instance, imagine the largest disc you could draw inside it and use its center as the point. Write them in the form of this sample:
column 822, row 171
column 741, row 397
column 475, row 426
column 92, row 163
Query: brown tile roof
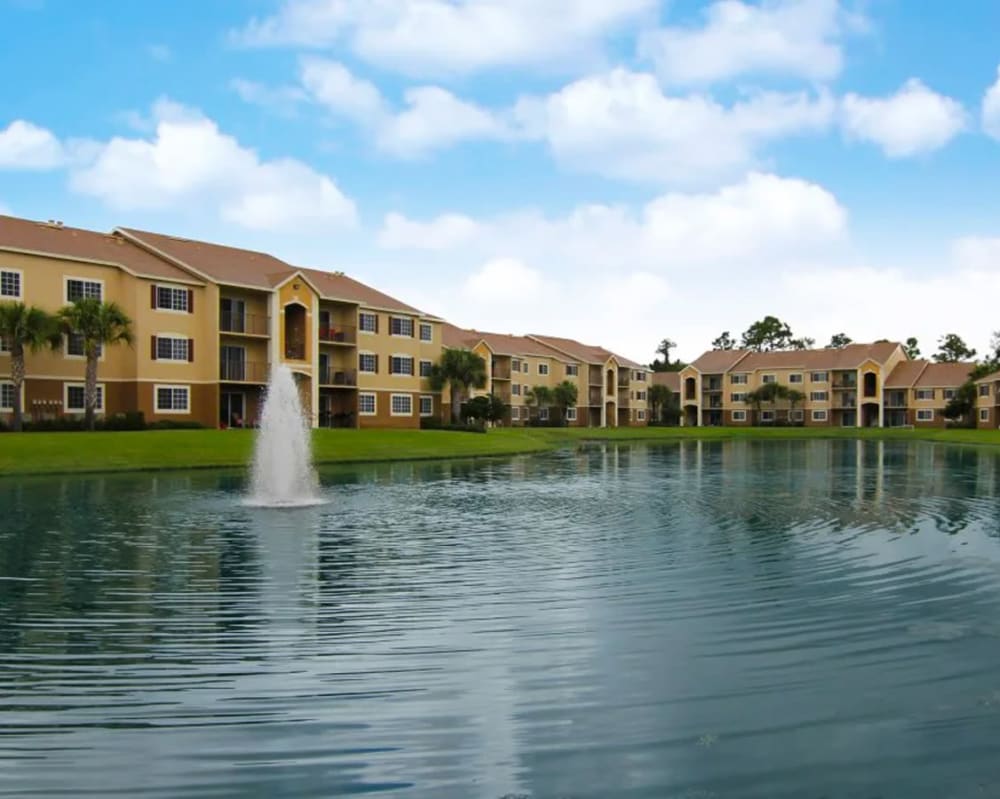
column 502, row 343
column 849, row 357
column 671, row 380
column 86, row 245
column 585, row 353
column 945, row 375
column 338, row 286
column 905, row 374
column 220, row 263
column 458, row 338
column 989, row 378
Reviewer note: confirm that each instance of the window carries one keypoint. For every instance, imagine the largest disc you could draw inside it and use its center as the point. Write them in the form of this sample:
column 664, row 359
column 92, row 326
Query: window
column 738, row 380
column 819, row 416
column 425, row 368
column 739, row 416
column 572, row 370
column 515, row 389
column 765, row 379
column 738, row 396
column 543, row 414
column 427, row 406
column 515, row 414
column 543, row 368
column 796, row 415
column 172, row 399
column 571, row 414
column 74, row 401
column 641, row 416
column 401, row 405
column 925, row 415
column 368, row 322
column 77, row 289
column 401, row 365
column 6, row 396
column 367, row 362
column 4, row 344
column 366, row 404
column 426, row 332
column 10, row 283
column 984, row 390
column 640, row 395
column 169, row 348
column 819, row 377
column 401, row 326
column 984, row 414
column 925, row 393
column 818, row 396
column 171, row 299
column 949, row 393
column 515, row 364
column 640, row 377
column 75, row 346
column 524, row 367
column 795, row 378
column 767, row 416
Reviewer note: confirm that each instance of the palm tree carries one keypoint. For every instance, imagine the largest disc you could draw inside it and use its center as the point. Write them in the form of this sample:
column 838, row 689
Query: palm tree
column 794, row 397
column 770, row 393
column 540, row 396
column 564, row 395
column 100, row 324
column 462, row 370
column 24, row 327
column 659, row 398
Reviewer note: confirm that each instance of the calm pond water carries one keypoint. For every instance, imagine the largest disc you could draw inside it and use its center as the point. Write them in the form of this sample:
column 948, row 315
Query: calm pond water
column 780, row 619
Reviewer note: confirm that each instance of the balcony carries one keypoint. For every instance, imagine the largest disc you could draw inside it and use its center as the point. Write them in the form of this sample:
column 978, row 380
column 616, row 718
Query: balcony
column 845, row 401
column 595, row 396
column 712, row 385
column 335, row 376
column 845, row 383
column 243, row 371
column 501, row 371
column 338, row 334
column 246, row 324
column 715, row 404
column 623, row 397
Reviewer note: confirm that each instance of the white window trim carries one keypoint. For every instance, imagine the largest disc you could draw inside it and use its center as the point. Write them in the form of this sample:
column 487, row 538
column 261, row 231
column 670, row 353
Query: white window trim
column 739, row 416
column 361, row 328
column 799, row 375
column 949, row 393
column 20, row 283
column 420, row 363
column 66, row 353
column 68, row 278
column 99, row 408
column 925, row 418
column 764, row 379
column 374, row 410
column 742, row 395
column 826, row 396
column 798, row 415
column 576, row 370
column 393, row 412
column 820, row 416
column 984, row 414
column 641, row 416
column 515, row 413
column 420, row 333
column 767, row 416
column 543, row 414
column 413, row 361
column 365, row 371
column 167, row 310
column 825, row 380
column 10, row 408
column 431, row 411
column 172, row 387
column 571, row 414
column 401, row 335
column 515, row 389
column 544, row 366
column 177, row 336
column 739, row 379
column 920, row 391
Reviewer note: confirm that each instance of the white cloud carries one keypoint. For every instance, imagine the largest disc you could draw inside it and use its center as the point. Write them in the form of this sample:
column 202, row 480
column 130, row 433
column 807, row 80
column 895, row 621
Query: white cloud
column 620, row 124
column 189, row 161
column 27, row 146
column 625, row 277
column 282, row 100
column 442, row 37
column 802, row 38
column 991, row 109
column 333, row 85
column 913, row 121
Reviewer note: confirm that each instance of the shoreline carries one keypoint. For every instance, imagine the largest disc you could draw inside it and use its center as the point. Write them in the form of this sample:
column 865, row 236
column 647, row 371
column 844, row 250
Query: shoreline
column 44, row 454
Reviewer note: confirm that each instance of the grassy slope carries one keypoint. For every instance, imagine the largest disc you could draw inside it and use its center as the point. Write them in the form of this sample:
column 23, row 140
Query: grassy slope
column 50, row 453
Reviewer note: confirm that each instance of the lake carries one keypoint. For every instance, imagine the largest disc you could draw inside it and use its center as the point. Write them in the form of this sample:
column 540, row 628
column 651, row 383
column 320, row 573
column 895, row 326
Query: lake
column 797, row 619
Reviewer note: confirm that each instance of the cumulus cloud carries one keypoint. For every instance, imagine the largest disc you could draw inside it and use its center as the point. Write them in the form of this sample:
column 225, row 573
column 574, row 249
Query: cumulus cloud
column 24, row 145
column 445, row 37
column 913, row 121
column 188, row 160
column 801, row 38
column 622, row 125
column 991, row 109
column 282, row 100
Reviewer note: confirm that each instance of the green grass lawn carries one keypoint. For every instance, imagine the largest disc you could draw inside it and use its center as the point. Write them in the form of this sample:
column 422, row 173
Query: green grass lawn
column 54, row 453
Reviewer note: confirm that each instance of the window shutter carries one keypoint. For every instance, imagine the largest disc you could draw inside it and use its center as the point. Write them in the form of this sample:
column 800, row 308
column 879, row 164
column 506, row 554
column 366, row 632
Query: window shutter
column 152, row 348
column 190, row 300
column 376, row 330
column 190, row 350
column 152, row 296
column 376, row 358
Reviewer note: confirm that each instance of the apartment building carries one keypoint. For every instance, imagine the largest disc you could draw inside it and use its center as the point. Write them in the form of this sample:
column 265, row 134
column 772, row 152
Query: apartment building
column 611, row 390
column 917, row 392
column 209, row 322
column 839, row 387
column 988, row 402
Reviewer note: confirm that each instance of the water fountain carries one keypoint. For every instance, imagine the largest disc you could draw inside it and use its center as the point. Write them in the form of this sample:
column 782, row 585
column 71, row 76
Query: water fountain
column 283, row 475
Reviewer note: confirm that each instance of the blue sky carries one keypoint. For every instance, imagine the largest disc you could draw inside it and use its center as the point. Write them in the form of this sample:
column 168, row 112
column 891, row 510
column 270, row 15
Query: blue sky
column 613, row 171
